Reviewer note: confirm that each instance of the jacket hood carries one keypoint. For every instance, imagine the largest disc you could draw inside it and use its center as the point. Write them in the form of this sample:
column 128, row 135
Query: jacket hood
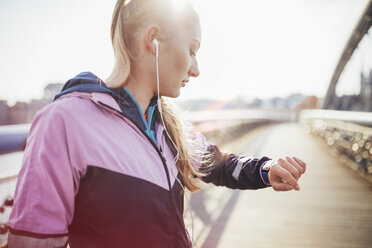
column 88, row 82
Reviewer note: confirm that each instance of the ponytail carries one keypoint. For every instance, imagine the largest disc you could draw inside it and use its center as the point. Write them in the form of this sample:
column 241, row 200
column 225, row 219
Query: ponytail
column 189, row 153
column 126, row 20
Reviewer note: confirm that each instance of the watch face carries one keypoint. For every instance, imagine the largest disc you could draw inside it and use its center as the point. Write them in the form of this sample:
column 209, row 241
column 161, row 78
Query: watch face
column 267, row 165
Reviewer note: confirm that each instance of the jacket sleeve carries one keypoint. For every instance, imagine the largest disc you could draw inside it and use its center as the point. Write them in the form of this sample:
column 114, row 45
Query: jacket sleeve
column 227, row 169
column 45, row 190
column 232, row 171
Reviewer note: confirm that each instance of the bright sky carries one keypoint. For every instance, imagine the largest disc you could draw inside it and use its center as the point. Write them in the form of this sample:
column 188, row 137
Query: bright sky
column 260, row 48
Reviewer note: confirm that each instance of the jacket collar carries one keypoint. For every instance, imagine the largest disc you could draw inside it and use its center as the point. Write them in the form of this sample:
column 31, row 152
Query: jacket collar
column 120, row 99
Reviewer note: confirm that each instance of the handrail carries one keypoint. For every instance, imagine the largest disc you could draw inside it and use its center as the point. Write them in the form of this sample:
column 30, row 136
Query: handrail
column 362, row 118
column 242, row 114
column 13, row 138
column 346, row 134
column 8, row 176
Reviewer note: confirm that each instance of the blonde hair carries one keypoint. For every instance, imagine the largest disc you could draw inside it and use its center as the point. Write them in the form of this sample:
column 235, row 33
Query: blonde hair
column 126, row 20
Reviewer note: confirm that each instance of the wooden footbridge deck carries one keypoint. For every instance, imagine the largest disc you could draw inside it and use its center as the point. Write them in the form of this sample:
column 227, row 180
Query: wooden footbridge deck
column 333, row 209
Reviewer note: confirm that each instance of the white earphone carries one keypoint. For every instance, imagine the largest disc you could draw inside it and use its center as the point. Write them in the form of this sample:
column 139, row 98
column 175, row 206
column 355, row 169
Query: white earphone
column 156, row 43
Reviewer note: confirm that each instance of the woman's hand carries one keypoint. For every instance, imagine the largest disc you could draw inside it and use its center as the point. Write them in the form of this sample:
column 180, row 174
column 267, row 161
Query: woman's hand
column 285, row 172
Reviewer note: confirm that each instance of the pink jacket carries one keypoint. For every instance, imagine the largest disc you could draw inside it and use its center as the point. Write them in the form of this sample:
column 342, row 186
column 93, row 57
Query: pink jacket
column 92, row 176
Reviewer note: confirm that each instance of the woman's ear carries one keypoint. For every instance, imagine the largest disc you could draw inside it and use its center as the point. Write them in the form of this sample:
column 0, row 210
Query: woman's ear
column 152, row 32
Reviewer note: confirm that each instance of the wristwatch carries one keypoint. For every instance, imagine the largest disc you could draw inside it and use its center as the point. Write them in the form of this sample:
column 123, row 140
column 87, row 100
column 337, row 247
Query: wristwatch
column 266, row 167
column 265, row 171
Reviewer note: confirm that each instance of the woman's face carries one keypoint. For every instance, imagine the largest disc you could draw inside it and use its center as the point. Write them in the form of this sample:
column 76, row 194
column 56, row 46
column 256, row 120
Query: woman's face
column 177, row 58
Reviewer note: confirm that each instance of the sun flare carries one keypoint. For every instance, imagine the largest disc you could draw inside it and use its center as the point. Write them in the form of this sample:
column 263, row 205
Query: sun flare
column 178, row 5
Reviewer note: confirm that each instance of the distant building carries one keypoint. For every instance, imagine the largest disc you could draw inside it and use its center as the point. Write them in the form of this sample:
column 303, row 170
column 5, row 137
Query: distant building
column 23, row 112
column 51, row 90
column 18, row 113
column 310, row 102
column 34, row 106
column 366, row 91
column 295, row 100
column 289, row 102
column 360, row 102
column 256, row 103
column 4, row 113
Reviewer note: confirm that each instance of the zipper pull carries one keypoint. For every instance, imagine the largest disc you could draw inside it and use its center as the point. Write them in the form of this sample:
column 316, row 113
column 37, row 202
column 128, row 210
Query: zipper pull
column 162, row 154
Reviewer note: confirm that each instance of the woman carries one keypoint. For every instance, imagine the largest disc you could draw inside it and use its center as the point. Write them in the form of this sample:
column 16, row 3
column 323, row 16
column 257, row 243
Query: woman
column 106, row 164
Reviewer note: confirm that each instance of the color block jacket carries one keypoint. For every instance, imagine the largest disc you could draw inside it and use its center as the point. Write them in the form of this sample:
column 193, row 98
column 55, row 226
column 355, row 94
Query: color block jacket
column 95, row 173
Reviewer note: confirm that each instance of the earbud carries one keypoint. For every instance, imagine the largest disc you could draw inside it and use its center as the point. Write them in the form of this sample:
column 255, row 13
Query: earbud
column 156, row 43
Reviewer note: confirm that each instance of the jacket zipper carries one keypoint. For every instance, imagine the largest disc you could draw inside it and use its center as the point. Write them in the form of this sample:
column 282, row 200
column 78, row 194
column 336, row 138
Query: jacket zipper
column 162, row 157
column 160, row 152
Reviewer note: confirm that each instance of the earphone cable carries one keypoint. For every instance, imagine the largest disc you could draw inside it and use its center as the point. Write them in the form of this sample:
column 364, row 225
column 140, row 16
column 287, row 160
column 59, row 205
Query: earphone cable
column 174, row 145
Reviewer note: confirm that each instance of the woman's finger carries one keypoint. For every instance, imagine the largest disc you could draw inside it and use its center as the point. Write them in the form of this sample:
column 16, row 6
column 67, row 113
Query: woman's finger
column 290, row 168
column 285, row 175
column 281, row 186
column 296, row 165
column 301, row 163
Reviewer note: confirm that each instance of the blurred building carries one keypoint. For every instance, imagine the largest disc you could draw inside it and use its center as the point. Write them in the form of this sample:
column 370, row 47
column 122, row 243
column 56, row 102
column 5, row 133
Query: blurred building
column 23, row 112
column 366, row 91
column 51, row 90
column 360, row 102
column 4, row 113
column 18, row 113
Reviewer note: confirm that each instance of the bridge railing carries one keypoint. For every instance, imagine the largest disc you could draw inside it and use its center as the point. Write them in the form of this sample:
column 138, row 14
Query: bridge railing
column 347, row 133
column 12, row 140
column 223, row 126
